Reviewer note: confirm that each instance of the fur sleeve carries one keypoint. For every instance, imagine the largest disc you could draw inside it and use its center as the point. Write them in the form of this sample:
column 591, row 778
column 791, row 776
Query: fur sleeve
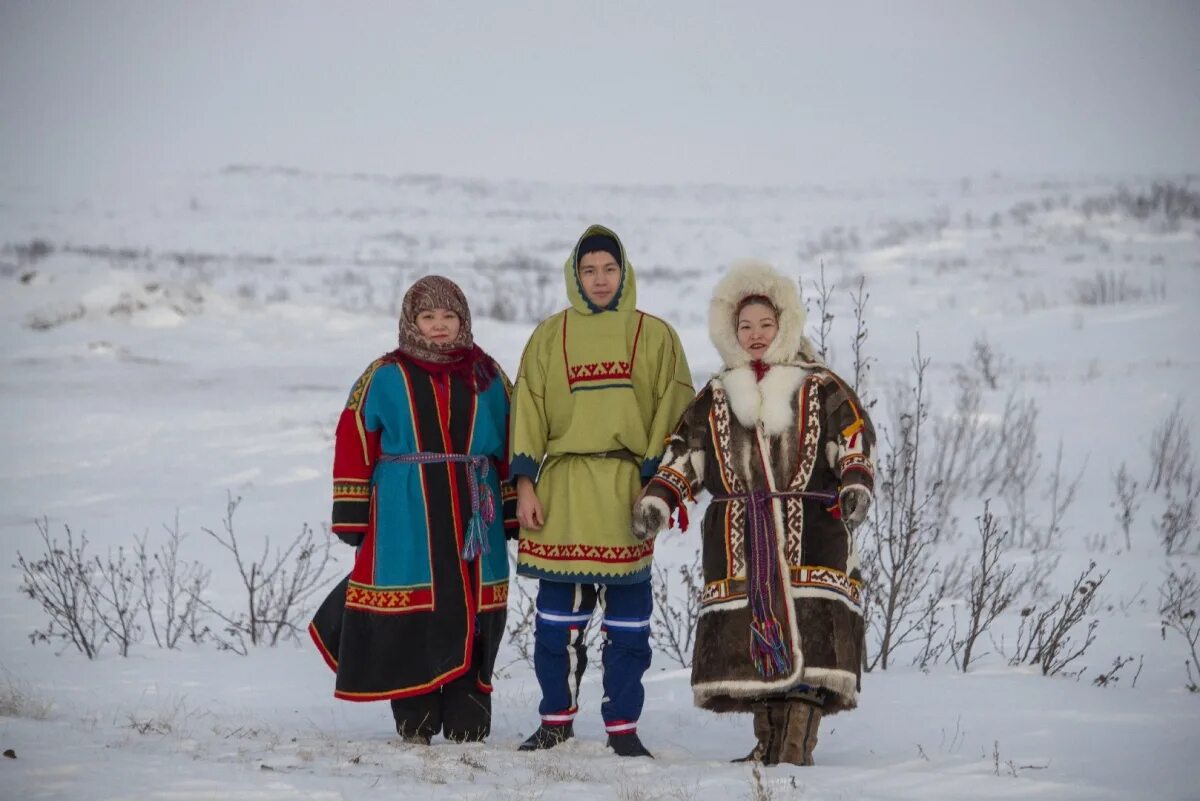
column 850, row 442
column 680, row 474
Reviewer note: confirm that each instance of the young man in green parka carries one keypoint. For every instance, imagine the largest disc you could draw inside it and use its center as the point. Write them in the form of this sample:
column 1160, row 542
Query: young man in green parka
column 600, row 387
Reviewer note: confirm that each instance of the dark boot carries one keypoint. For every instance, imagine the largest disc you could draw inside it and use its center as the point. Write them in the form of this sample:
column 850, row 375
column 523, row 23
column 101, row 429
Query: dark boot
column 467, row 713
column 801, row 720
column 762, row 735
column 628, row 745
column 548, row 737
column 418, row 718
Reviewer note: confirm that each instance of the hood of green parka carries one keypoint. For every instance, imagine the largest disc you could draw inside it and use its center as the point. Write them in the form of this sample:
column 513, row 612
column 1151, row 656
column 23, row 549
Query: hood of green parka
column 626, row 297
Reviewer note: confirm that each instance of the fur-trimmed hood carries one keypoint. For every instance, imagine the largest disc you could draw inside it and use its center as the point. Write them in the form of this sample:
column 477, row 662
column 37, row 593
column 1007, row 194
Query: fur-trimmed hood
column 757, row 278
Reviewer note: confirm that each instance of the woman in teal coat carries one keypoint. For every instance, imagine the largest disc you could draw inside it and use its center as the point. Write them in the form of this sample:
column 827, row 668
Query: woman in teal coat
column 419, row 461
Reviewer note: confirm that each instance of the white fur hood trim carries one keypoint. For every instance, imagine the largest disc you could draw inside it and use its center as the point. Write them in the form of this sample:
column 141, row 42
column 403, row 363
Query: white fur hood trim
column 768, row 401
column 756, row 278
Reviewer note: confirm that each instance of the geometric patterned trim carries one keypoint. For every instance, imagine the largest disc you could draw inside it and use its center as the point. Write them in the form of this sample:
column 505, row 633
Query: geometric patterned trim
column 601, row 374
column 351, row 489
column 388, row 601
column 824, row 578
column 857, row 461
column 359, row 390
column 674, row 481
column 809, row 404
column 827, row 578
column 589, row 553
column 494, row 596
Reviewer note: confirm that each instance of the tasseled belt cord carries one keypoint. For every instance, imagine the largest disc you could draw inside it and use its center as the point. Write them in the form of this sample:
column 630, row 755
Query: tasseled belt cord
column 483, row 500
column 767, row 649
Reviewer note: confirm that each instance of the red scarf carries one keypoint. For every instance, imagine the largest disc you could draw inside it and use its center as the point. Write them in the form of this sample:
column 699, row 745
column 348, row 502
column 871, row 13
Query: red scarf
column 472, row 365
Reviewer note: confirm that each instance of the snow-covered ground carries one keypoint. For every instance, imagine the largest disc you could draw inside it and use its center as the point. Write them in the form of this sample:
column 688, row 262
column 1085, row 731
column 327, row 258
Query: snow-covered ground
column 193, row 336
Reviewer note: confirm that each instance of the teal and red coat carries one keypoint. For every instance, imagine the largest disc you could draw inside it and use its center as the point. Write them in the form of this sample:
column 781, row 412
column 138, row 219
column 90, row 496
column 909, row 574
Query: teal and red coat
column 412, row 612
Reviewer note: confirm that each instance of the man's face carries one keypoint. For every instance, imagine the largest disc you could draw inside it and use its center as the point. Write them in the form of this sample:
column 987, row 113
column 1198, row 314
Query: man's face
column 600, row 276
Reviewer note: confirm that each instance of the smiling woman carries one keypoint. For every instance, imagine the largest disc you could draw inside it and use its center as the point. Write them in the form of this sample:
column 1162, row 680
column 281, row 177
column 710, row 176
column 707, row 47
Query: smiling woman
column 439, row 325
column 757, row 324
column 419, row 465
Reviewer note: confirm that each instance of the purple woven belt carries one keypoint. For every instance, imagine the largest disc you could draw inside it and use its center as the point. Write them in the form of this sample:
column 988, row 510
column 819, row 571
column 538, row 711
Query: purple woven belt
column 767, row 649
column 483, row 500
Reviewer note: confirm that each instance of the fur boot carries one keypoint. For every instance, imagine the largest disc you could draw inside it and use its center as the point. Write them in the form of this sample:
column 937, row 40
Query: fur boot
column 799, row 721
column 762, row 735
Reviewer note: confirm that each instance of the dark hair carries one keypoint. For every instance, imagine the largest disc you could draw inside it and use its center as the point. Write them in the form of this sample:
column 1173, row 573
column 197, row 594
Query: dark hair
column 599, row 242
column 751, row 300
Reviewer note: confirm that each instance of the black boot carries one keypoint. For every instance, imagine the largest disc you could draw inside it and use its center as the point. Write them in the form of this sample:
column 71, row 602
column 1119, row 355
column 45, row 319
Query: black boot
column 548, row 737
column 628, row 745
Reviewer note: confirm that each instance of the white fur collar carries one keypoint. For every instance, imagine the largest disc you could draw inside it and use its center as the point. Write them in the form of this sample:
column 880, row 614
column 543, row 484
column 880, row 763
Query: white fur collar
column 768, row 401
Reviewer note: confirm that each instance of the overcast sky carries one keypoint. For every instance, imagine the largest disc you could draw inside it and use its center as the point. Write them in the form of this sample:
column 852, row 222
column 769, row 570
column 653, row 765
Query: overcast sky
column 739, row 92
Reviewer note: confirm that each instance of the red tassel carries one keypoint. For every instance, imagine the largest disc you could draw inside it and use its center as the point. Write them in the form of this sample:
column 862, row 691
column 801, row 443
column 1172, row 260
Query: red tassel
column 835, row 511
column 683, row 518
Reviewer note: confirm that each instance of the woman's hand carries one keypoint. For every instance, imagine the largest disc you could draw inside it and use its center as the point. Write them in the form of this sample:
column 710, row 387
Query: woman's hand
column 530, row 514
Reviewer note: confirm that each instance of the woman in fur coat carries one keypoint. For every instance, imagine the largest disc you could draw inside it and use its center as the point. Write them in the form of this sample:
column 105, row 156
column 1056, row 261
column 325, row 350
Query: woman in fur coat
column 784, row 447
column 419, row 457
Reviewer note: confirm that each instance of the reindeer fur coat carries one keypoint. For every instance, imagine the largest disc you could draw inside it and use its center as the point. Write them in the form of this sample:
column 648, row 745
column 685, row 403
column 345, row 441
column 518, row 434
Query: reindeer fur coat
column 797, row 429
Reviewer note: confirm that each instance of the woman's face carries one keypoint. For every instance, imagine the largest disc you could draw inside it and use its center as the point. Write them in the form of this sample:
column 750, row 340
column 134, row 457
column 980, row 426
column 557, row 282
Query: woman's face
column 756, row 329
column 439, row 325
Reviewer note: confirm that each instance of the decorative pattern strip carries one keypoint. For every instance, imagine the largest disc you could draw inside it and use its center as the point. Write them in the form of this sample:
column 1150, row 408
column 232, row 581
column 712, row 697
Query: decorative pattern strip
column 352, row 489
column 587, row 553
column 808, row 440
column 388, row 601
column 827, row 578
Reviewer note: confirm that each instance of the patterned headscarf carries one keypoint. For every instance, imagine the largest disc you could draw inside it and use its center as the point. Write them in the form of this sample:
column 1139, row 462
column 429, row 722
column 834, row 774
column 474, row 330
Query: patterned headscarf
column 428, row 293
column 462, row 356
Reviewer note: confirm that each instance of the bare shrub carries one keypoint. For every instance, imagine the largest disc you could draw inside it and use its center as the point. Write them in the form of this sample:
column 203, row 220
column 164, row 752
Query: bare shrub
column 62, row 582
column 1060, row 496
column 278, row 586
column 824, row 315
column 990, row 589
column 1179, row 598
column 174, row 585
column 18, row 699
column 1110, row 677
column 1014, row 464
column 1126, row 503
column 675, row 617
column 520, row 289
column 1170, row 449
column 862, row 362
column 1167, row 201
column 936, row 634
column 898, row 538
column 1104, row 288
column 116, row 596
column 1050, row 638
column 1178, row 521
column 963, row 439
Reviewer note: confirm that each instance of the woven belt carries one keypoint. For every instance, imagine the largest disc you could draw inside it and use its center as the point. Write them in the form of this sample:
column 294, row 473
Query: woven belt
column 483, row 501
column 767, row 649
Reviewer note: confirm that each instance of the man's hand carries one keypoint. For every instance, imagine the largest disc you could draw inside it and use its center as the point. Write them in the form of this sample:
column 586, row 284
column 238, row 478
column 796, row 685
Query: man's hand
column 649, row 517
column 855, row 501
column 530, row 514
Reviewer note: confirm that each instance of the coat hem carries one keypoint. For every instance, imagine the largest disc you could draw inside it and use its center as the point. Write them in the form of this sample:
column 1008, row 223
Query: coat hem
column 528, row 571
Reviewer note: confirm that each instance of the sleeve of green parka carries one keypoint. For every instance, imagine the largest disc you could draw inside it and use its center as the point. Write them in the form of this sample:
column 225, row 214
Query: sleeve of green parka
column 530, row 429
